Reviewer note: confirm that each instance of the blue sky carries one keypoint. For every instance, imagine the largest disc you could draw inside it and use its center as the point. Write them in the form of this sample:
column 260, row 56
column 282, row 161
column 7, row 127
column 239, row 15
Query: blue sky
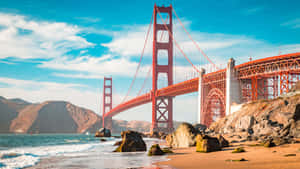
column 60, row 50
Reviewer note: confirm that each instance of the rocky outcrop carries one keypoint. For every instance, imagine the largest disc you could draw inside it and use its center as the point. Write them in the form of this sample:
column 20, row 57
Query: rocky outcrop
column 207, row 144
column 264, row 119
column 184, row 136
column 103, row 132
column 131, row 142
column 155, row 150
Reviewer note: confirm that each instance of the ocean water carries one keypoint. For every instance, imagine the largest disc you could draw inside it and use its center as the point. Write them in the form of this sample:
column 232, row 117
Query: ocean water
column 69, row 151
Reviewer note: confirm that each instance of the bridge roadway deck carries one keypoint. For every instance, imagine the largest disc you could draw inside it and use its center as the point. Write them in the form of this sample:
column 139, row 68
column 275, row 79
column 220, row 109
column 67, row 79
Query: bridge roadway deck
column 261, row 66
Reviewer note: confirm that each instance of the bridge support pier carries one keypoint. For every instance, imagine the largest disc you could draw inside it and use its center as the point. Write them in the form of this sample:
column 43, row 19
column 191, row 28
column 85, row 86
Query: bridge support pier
column 200, row 96
column 162, row 107
column 107, row 102
column 233, row 89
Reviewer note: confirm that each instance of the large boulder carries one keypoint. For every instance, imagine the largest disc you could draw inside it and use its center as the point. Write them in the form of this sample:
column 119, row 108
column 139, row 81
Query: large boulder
column 103, row 132
column 155, row 150
column 184, row 136
column 207, row 144
column 131, row 142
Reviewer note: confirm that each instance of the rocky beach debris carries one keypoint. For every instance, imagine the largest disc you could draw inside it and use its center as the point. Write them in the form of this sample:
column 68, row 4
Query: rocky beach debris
column 155, row 150
column 184, row 136
column 239, row 150
column 131, row 142
column 103, row 132
column 206, row 144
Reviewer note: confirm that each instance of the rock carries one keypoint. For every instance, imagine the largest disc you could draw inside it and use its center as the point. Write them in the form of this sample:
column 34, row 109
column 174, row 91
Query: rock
column 242, row 159
column 131, row 142
column 236, row 137
column 155, row 134
column 155, row 150
column 234, row 141
column 117, row 143
column 200, row 128
column 167, row 150
column 289, row 155
column 244, row 123
column 279, row 141
column 239, row 150
column 207, row 144
column 103, row 140
column 223, row 142
column 295, row 124
column 269, row 143
column 184, row 136
column 103, row 132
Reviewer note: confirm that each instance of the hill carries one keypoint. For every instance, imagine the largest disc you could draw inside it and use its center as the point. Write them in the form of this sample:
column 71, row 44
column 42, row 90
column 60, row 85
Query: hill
column 20, row 116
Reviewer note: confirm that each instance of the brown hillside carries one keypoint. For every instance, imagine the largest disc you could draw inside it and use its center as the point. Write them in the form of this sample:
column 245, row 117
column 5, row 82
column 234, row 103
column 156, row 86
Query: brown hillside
column 8, row 111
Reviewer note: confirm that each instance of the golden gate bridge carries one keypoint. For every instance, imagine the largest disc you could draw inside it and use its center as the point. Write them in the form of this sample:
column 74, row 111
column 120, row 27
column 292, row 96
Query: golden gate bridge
column 217, row 90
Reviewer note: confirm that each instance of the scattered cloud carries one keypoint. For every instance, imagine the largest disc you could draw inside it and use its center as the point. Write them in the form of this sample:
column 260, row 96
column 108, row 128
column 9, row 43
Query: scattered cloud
column 94, row 67
column 295, row 23
column 25, row 38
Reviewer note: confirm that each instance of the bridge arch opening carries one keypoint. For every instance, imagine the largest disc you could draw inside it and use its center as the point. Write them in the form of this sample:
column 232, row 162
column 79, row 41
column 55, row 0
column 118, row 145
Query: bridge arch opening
column 214, row 107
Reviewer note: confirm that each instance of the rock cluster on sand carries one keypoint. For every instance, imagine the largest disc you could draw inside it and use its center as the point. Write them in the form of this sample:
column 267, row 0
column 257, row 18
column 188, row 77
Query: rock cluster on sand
column 103, row 132
column 184, row 136
column 187, row 136
column 155, row 150
column 274, row 121
column 207, row 144
column 131, row 142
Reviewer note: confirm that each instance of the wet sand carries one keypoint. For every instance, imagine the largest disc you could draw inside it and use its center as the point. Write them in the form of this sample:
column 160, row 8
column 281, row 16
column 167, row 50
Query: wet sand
column 258, row 158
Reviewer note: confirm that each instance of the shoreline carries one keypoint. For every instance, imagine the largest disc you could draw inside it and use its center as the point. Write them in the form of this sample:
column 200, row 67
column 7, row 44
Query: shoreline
column 258, row 157
column 90, row 159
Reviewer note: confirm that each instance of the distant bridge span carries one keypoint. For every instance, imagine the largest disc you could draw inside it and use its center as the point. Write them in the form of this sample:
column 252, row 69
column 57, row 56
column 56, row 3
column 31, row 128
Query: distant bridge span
column 283, row 68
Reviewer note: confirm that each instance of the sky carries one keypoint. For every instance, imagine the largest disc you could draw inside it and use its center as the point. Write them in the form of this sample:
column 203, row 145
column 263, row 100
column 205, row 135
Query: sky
column 62, row 49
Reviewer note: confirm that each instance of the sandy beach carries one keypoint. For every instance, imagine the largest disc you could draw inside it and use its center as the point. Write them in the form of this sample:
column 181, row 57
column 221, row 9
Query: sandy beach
column 257, row 157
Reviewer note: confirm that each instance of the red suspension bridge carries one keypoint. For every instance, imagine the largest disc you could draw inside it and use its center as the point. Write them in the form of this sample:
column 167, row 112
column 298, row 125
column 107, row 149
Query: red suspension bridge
column 258, row 79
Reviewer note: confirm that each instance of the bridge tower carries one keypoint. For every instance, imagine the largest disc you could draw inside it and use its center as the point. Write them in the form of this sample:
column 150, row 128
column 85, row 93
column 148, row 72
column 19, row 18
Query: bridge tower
column 107, row 102
column 162, row 107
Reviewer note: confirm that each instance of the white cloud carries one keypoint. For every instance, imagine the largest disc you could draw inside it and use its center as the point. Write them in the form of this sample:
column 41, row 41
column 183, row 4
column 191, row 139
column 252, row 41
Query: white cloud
column 24, row 38
column 130, row 41
column 295, row 23
column 92, row 67
column 219, row 47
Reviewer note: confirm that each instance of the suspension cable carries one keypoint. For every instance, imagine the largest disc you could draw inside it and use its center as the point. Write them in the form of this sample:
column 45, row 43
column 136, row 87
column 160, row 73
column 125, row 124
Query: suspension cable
column 145, row 81
column 177, row 45
column 150, row 68
column 194, row 42
column 141, row 57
